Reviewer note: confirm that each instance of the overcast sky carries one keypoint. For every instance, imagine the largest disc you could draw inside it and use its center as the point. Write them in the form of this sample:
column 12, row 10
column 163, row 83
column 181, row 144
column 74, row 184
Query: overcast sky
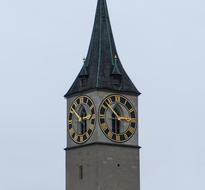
column 162, row 47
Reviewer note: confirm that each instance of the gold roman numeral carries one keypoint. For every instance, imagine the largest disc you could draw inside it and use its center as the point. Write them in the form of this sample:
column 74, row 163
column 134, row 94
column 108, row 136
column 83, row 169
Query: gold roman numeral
column 81, row 100
column 133, row 120
column 75, row 104
column 109, row 101
column 105, row 107
column 93, row 116
column 117, row 98
column 131, row 110
column 104, row 126
column 102, row 116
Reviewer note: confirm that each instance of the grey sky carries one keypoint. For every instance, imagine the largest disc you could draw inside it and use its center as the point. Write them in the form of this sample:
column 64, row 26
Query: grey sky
column 161, row 45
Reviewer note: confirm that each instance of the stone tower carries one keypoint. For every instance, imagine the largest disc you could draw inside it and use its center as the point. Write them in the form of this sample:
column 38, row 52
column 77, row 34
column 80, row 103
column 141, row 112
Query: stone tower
column 102, row 121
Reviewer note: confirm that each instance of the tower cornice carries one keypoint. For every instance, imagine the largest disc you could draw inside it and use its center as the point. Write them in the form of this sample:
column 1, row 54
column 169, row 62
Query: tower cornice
column 101, row 143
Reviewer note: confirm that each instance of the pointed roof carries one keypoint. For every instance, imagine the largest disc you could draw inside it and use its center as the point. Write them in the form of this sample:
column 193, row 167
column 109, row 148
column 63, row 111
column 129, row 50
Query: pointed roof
column 102, row 64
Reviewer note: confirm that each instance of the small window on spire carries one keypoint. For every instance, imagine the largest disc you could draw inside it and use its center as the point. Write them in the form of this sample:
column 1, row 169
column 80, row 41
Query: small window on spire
column 83, row 81
column 116, row 80
column 83, row 76
column 116, row 75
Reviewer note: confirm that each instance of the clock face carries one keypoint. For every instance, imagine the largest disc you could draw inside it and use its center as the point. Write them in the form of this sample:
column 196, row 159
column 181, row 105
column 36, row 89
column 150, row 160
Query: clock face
column 81, row 119
column 117, row 118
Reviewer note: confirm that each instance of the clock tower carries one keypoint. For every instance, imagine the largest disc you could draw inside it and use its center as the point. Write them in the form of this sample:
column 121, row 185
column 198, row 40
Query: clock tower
column 102, row 150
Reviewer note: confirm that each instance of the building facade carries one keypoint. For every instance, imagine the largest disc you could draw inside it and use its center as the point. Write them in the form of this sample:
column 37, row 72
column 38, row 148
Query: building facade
column 102, row 150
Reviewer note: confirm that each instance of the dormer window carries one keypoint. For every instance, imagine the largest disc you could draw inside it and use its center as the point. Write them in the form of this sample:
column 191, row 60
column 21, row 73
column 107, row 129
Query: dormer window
column 116, row 75
column 116, row 80
column 83, row 81
column 83, row 76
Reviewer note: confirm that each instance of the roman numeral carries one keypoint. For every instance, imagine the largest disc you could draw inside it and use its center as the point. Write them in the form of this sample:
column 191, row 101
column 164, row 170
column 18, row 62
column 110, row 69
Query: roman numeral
column 133, row 120
column 109, row 101
column 125, row 102
column 93, row 116
column 117, row 98
column 131, row 110
column 104, row 106
column 81, row 100
column 75, row 104
column 102, row 116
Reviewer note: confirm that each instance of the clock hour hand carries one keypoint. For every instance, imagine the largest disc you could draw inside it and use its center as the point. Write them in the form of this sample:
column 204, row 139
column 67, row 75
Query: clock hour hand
column 88, row 117
column 118, row 117
column 78, row 117
column 128, row 119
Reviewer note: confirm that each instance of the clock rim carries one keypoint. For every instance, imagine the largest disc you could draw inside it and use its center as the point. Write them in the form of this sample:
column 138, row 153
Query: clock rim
column 135, row 129
column 95, row 120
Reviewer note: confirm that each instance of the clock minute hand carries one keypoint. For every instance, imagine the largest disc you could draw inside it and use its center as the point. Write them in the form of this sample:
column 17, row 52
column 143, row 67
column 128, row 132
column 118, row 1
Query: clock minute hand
column 118, row 117
column 79, row 118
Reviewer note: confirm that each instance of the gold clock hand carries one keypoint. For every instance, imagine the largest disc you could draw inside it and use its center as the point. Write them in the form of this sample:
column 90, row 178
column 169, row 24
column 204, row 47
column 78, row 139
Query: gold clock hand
column 79, row 118
column 128, row 119
column 118, row 117
column 125, row 118
column 88, row 117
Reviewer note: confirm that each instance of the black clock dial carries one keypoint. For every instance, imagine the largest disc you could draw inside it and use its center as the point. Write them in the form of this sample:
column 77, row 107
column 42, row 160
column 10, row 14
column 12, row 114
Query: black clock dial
column 81, row 119
column 117, row 118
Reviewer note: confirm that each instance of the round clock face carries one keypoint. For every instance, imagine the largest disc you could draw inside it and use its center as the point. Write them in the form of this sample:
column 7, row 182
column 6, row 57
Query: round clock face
column 81, row 119
column 117, row 118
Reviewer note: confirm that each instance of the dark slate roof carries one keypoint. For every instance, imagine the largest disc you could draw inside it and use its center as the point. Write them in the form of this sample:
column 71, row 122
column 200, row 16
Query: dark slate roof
column 102, row 65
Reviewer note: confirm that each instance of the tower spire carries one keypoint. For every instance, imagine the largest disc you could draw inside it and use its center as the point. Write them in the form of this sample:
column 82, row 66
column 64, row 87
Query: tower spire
column 100, row 60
